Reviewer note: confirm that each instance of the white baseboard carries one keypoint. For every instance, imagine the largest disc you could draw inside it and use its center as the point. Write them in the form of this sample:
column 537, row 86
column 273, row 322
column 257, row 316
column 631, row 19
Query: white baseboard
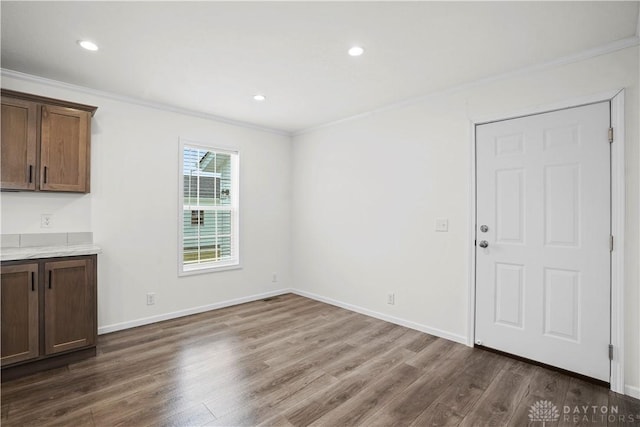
column 201, row 309
column 632, row 391
column 195, row 310
column 392, row 319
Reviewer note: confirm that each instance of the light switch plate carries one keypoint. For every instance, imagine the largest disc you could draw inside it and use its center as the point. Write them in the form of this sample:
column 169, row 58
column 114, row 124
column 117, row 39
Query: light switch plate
column 442, row 224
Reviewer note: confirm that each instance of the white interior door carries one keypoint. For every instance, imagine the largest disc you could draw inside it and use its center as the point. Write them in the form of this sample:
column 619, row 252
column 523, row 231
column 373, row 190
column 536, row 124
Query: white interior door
column 543, row 280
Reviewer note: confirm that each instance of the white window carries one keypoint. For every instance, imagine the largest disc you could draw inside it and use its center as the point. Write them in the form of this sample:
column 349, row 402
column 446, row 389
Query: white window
column 208, row 209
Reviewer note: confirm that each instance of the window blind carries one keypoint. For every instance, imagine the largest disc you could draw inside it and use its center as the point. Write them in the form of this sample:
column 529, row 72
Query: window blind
column 209, row 208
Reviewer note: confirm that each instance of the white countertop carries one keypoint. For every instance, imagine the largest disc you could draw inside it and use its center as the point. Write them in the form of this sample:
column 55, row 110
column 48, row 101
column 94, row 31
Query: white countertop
column 14, row 254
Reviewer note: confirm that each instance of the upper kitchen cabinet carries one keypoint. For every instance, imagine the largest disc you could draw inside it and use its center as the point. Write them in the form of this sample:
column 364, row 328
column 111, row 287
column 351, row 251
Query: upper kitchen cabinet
column 46, row 144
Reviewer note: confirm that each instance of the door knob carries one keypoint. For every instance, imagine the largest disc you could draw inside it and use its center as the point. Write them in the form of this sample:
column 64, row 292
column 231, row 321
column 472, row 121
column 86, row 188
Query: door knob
column 483, row 244
column 484, row 228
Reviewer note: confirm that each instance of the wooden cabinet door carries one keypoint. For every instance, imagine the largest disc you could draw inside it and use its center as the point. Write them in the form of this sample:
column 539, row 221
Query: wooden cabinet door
column 69, row 305
column 19, row 144
column 19, row 316
column 64, row 149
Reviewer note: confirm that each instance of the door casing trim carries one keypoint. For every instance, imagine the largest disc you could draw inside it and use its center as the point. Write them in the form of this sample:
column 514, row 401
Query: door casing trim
column 616, row 97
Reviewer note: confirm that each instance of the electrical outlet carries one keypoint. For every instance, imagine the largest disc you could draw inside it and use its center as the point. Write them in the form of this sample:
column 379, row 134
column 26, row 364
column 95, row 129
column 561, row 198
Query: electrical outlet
column 442, row 224
column 151, row 298
column 391, row 298
column 274, row 277
column 46, row 221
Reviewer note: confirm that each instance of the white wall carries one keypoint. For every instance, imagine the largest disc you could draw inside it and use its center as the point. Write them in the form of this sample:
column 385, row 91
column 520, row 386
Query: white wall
column 366, row 194
column 133, row 208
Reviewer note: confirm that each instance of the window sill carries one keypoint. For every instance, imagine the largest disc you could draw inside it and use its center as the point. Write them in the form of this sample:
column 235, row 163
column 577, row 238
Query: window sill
column 182, row 271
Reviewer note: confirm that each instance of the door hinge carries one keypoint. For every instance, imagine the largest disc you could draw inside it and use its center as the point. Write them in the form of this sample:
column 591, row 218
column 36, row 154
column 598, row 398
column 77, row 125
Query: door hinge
column 610, row 135
column 610, row 243
column 610, row 351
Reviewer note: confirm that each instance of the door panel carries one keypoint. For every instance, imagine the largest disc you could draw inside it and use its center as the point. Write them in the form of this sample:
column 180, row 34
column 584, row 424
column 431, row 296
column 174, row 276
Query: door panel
column 509, row 293
column 510, row 206
column 561, row 303
column 543, row 281
column 19, row 144
column 64, row 149
column 19, row 315
column 69, row 322
column 561, row 203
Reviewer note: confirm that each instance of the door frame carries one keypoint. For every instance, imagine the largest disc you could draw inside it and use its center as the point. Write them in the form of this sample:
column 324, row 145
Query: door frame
column 616, row 97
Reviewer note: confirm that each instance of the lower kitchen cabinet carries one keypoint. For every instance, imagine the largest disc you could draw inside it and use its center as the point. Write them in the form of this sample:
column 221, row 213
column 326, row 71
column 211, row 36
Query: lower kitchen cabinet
column 49, row 313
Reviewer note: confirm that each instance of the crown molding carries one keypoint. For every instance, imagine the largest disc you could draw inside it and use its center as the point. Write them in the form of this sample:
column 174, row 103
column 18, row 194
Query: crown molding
column 5, row 72
column 569, row 59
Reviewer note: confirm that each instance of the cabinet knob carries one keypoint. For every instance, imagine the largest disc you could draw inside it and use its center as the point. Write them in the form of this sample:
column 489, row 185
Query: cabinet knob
column 50, row 279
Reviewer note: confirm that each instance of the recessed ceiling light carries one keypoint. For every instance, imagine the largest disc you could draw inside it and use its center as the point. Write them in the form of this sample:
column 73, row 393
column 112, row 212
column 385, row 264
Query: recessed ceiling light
column 259, row 97
column 89, row 45
column 356, row 51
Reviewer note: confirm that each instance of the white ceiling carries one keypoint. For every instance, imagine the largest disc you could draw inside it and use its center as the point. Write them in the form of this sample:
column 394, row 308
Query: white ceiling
column 212, row 57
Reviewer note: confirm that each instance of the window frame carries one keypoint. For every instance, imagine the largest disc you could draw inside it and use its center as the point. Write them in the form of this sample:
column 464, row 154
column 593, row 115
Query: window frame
column 214, row 266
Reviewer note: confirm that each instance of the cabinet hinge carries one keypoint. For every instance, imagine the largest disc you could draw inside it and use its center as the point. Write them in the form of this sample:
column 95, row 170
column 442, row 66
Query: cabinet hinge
column 610, row 351
column 610, row 135
column 610, row 243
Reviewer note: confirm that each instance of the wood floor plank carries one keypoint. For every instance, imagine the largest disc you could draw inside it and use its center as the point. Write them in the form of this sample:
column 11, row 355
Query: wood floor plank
column 271, row 405
column 546, row 385
column 348, row 387
column 49, row 409
column 5, row 411
column 289, row 361
column 57, row 401
column 381, row 330
column 342, row 367
column 420, row 342
column 28, row 382
column 315, row 342
column 456, row 400
column 79, row 417
column 438, row 415
column 198, row 415
column 623, row 411
column 278, row 421
column 581, row 397
column 432, row 354
column 278, row 378
column 375, row 396
column 149, row 406
column 406, row 407
column 498, row 404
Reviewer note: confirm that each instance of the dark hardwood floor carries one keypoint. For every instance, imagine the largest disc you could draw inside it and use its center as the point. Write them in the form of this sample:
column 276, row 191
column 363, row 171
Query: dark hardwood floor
column 294, row 361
